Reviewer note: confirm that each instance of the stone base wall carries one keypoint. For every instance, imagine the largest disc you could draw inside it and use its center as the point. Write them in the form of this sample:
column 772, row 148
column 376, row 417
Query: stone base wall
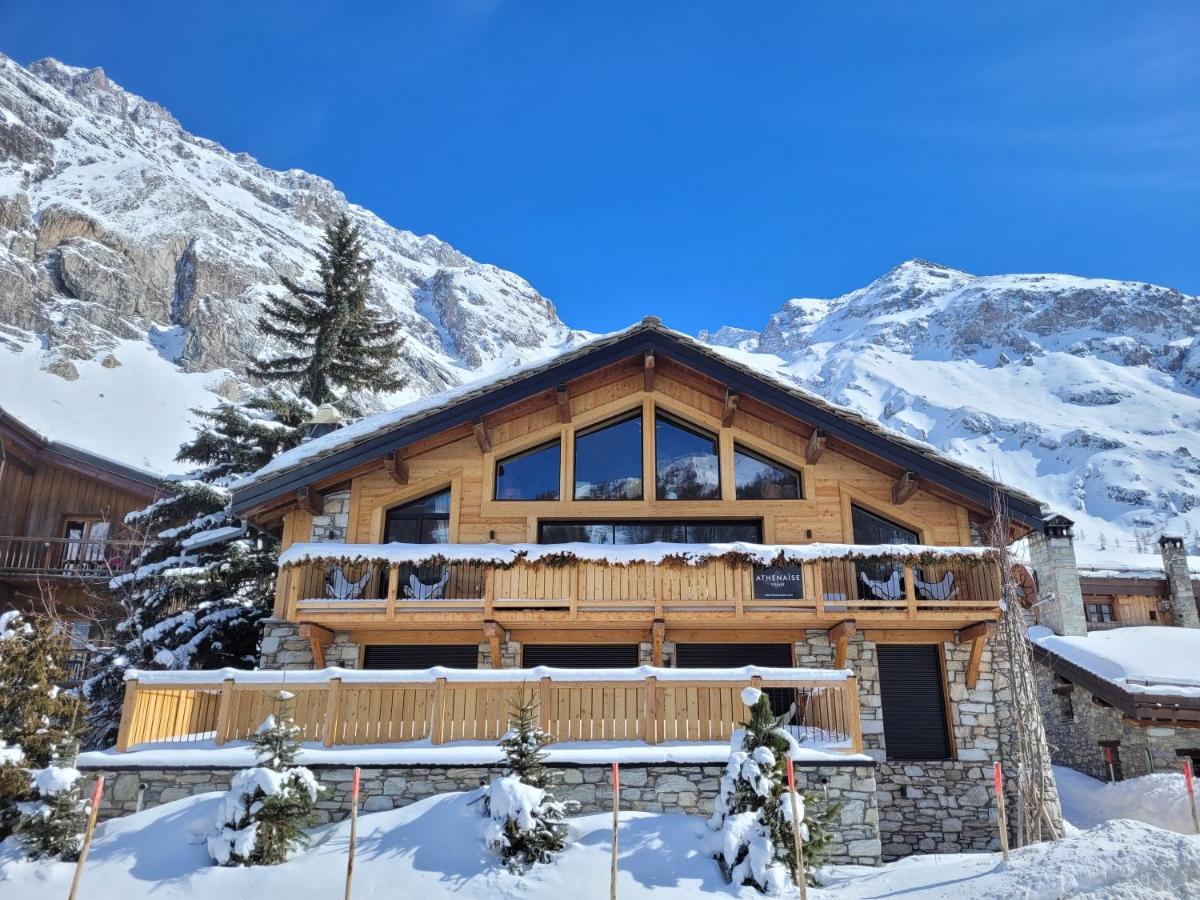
column 1076, row 726
column 935, row 807
column 282, row 647
column 644, row 788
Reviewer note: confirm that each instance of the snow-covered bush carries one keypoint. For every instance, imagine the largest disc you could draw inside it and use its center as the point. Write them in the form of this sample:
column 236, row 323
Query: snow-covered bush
column 268, row 806
column 52, row 824
column 753, row 811
column 526, row 824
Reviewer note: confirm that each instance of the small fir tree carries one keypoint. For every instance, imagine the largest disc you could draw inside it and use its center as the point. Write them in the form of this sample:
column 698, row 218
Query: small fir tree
column 196, row 596
column 269, row 806
column 38, row 721
column 51, row 825
column 753, row 811
column 337, row 343
column 526, row 824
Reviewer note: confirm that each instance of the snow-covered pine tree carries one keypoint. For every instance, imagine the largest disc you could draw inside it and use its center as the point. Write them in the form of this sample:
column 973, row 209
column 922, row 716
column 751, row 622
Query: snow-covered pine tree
column 38, row 721
column 197, row 594
column 753, row 811
column 264, row 815
column 337, row 343
column 51, row 824
column 526, row 824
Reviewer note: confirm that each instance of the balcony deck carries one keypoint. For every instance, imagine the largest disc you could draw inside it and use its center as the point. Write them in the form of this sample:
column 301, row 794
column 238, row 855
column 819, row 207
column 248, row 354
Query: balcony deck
column 374, row 586
column 67, row 558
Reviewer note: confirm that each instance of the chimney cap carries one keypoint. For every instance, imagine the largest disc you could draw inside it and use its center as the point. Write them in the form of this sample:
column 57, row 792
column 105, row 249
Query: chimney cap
column 1170, row 539
column 1057, row 526
column 651, row 320
column 325, row 414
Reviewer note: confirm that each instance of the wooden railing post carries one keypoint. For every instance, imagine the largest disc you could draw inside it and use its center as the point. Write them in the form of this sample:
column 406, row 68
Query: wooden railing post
column 437, row 731
column 295, row 579
column 659, row 590
column 544, row 704
column 331, row 710
column 393, row 590
column 739, row 589
column 851, row 711
column 573, row 589
column 128, row 711
column 650, row 722
column 818, row 583
column 489, row 593
column 224, row 710
column 910, row 591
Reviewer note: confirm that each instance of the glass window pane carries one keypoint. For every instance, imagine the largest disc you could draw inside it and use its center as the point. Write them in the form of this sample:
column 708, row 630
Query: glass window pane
column 872, row 529
column 532, row 475
column 608, row 460
column 758, row 478
column 648, row 531
column 423, row 521
column 438, row 503
column 687, row 466
column 723, row 532
column 435, row 531
column 571, row 532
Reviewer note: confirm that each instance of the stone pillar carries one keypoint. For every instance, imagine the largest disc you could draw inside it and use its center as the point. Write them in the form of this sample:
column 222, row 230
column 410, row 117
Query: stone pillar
column 282, row 647
column 1060, row 599
column 1179, row 581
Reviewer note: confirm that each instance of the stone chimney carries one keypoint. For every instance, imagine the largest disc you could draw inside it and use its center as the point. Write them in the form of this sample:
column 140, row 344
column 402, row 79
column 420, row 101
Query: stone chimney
column 1179, row 581
column 1060, row 600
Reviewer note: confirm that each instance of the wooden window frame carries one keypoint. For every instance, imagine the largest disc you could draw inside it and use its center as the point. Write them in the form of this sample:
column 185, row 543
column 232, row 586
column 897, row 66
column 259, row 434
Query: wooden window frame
column 412, row 492
column 739, row 445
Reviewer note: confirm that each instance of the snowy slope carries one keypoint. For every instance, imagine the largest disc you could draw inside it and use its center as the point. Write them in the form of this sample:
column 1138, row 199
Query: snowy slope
column 434, row 849
column 119, row 231
column 1159, row 799
column 1081, row 391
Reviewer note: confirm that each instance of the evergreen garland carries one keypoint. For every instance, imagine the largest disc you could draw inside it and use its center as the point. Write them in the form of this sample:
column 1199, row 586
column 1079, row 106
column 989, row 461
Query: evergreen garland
column 337, row 342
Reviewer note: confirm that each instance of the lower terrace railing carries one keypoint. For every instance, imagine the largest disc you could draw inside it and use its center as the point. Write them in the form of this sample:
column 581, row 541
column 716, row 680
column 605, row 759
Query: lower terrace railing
column 348, row 707
column 67, row 557
column 658, row 579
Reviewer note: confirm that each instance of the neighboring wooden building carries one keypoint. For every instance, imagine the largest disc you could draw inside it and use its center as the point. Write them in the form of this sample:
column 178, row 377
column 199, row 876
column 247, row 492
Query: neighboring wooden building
column 61, row 522
column 1113, row 598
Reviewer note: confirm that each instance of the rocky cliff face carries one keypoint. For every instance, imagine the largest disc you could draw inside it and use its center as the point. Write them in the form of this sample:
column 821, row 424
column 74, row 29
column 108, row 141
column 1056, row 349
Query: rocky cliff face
column 1083, row 391
column 116, row 224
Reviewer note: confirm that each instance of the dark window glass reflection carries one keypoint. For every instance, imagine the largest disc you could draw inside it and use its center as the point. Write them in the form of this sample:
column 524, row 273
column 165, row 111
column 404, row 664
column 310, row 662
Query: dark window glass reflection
column 424, row 521
column 687, row 465
column 608, row 460
column 758, row 478
column 531, row 475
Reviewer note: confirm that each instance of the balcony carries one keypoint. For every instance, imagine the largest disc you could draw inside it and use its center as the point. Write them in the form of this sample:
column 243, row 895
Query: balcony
column 76, row 558
column 342, row 586
column 434, row 707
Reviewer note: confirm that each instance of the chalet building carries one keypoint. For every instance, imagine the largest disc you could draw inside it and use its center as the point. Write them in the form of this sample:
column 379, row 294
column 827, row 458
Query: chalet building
column 61, row 523
column 643, row 500
column 1115, row 659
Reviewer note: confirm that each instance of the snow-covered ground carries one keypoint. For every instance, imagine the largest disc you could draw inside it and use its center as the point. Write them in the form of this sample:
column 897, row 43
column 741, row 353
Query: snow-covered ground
column 434, row 849
column 1158, row 799
column 1146, row 659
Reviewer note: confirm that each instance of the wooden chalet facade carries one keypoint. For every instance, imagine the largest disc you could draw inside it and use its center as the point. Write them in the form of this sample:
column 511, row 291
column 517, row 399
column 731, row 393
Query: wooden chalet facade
column 61, row 522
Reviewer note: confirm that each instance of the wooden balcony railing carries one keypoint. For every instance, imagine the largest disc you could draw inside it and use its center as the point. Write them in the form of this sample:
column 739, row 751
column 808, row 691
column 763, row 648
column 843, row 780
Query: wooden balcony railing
column 68, row 558
column 336, row 588
column 351, row 707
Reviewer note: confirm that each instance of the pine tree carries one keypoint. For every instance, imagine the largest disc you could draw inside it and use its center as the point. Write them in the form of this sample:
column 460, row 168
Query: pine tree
column 754, row 812
column 196, row 596
column 337, row 342
column 527, row 825
column 51, row 825
column 268, row 807
column 38, row 721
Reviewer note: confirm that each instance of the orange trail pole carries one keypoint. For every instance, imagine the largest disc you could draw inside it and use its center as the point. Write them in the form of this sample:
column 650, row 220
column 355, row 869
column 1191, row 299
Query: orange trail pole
column 797, row 843
column 87, row 837
column 353, row 828
column 1189, row 783
column 616, row 779
column 1001, row 813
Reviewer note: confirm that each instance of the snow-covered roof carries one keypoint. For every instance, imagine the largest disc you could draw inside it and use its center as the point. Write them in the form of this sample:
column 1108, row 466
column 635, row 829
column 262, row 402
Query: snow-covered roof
column 370, row 427
column 1150, row 659
column 1121, row 563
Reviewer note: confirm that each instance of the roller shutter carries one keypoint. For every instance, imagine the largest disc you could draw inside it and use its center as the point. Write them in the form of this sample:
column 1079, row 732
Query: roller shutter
column 914, row 707
column 734, row 656
column 421, row 656
column 580, row 656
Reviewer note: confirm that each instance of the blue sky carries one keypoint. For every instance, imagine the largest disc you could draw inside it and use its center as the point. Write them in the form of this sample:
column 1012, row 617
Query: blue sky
column 702, row 161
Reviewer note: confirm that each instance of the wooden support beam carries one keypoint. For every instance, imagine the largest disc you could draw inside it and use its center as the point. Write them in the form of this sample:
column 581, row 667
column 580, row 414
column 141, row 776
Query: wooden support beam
column 481, row 437
column 493, row 634
column 396, row 467
column 648, row 371
column 977, row 634
column 319, row 639
column 976, row 631
column 839, row 636
column 816, row 446
column 564, row 404
column 658, row 633
column 906, row 485
column 310, row 501
column 731, row 402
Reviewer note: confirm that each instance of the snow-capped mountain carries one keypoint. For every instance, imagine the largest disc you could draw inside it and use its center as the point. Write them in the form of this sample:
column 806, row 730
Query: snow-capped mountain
column 1083, row 391
column 128, row 243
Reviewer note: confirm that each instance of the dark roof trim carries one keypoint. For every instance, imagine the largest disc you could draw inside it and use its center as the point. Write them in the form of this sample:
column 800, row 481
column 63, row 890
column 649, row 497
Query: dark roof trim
column 1116, row 586
column 1021, row 507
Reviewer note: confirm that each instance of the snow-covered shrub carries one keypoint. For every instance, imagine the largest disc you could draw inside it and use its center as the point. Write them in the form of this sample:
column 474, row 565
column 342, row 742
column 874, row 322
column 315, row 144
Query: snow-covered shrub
column 753, row 811
column 526, row 824
column 52, row 824
column 268, row 806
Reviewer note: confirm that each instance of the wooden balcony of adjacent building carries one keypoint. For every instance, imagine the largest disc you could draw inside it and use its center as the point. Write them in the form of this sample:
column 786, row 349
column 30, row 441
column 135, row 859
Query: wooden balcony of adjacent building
column 342, row 586
column 89, row 559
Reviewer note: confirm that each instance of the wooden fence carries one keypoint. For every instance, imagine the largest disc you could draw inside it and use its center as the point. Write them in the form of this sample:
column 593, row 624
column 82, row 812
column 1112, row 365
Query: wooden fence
column 336, row 712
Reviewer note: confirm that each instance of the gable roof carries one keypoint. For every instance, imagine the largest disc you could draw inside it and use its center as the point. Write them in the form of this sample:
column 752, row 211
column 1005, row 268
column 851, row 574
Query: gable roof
column 375, row 435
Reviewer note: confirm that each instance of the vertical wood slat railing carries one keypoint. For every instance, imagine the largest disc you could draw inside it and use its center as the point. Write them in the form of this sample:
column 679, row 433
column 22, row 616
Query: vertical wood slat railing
column 68, row 557
column 337, row 712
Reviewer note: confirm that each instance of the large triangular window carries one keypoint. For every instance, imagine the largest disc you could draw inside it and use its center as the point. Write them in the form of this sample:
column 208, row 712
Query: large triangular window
column 608, row 460
column 687, row 462
column 758, row 478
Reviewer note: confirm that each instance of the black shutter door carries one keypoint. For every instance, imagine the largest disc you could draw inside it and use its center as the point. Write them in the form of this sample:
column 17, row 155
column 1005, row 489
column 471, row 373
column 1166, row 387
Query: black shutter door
column 734, row 656
column 580, row 656
column 914, row 708
column 421, row 656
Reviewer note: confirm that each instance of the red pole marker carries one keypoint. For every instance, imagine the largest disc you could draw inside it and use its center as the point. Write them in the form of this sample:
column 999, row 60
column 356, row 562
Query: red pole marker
column 797, row 842
column 353, row 827
column 1001, row 812
column 612, row 875
column 1191, row 792
column 87, row 837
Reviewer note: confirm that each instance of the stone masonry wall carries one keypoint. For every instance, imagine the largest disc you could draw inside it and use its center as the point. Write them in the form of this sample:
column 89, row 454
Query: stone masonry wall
column 331, row 525
column 644, row 788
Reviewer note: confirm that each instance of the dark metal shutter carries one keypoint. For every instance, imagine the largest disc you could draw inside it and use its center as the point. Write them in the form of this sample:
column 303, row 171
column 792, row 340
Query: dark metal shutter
column 580, row 656
column 734, row 656
column 914, row 707
column 421, row 656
